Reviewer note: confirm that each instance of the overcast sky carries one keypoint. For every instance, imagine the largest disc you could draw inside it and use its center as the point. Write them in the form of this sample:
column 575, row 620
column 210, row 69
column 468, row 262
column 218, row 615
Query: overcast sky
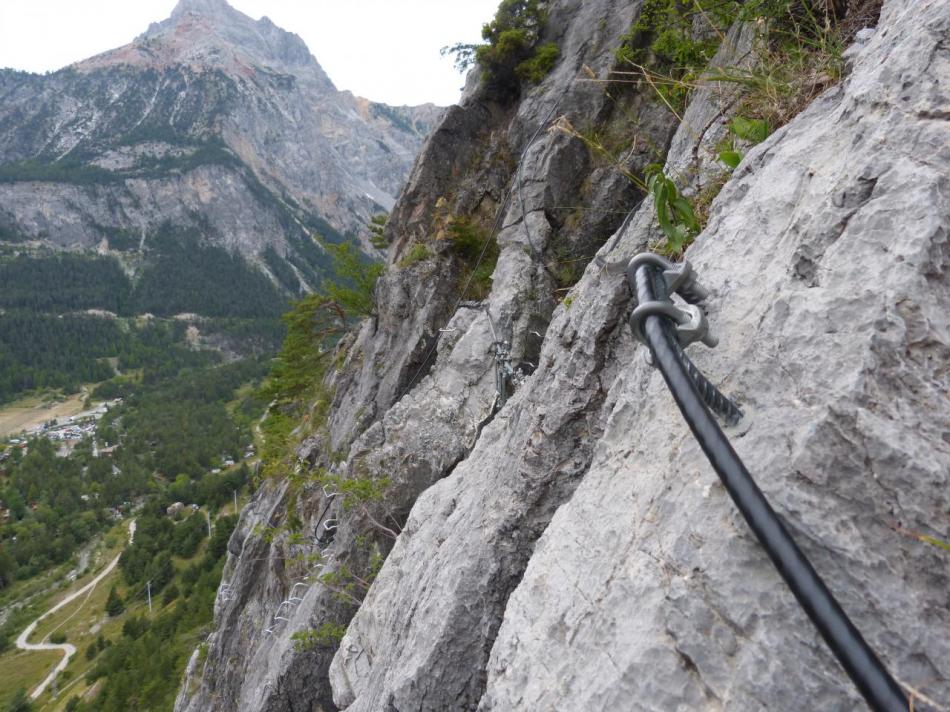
column 386, row 50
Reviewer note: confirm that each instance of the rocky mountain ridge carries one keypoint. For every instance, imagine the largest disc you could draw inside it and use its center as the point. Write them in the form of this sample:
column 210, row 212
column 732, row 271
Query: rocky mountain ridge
column 209, row 122
column 570, row 548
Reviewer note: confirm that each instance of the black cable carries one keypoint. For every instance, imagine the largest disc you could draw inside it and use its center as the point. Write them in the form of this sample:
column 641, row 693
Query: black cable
column 712, row 396
column 864, row 668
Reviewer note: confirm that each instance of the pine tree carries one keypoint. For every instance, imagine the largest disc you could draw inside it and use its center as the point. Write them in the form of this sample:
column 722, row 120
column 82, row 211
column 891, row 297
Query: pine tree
column 114, row 604
column 20, row 702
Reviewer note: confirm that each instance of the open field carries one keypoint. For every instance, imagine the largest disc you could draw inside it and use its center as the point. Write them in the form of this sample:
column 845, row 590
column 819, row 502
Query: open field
column 36, row 410
column 81, row 620
column 24, row 669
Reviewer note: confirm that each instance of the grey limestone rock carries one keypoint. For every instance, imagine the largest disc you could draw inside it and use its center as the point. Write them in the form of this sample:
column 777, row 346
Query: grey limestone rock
column 573, row 550
column 633, row 582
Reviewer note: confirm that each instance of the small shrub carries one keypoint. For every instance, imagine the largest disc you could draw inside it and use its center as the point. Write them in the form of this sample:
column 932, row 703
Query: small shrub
column 661, row 44
column 478, row 253
column 20, row 702
column 114, row 604
column 135, row 628
column 750, row 131
column 539, row 65
column 418, row 253
column 511, row 53
column 327, row 635
column 57, row 638
column 170, row 594
column 797, row 56
column 674, row 212
column 703, row 201
column 377, row 228
column 357, row 280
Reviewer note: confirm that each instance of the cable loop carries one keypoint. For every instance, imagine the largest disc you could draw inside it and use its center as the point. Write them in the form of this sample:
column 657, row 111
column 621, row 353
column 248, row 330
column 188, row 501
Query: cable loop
column 653, row 308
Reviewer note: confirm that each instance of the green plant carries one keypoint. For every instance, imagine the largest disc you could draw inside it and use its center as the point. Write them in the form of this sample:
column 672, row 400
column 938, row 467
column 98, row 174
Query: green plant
column 171, row 593
column 314, row 325
column 346, row 586
column 704, row 199
column 751, row 131
column 597, row 144
column 57, row 638
column 674, row 212
column 20, row 702
column 510, row 52
column 357, row 280
column 114, row 604
column 377, row 229
column 797, row 56
column 798, row 53
column 328, row 635
column 418, row 253
column 663, row 36
column 359, row 493
column 477, row 252
column 663, row 47
column 539, row 64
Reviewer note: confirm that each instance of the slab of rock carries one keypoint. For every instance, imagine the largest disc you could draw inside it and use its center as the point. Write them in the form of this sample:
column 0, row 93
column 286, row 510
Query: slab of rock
column 828, row 254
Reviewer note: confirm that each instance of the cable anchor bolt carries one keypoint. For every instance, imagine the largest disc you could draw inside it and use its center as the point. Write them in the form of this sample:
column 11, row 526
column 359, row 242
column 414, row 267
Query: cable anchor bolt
column 680, row 278
column 691, row 322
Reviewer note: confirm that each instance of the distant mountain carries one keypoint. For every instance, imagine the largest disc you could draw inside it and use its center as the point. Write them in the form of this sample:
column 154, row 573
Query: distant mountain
column 210, row 129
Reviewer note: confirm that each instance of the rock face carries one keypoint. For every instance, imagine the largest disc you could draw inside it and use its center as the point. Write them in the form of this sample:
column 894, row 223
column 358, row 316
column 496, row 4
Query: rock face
column 573, row 550
column 208, row 121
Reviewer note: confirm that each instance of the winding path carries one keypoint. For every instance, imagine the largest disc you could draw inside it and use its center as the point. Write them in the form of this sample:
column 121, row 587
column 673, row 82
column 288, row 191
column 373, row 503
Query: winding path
column 68, row 649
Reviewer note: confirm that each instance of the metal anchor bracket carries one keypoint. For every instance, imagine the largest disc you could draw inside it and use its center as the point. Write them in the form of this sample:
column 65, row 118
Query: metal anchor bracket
column 503, row 370
column 691, row 322
column 680, row 278
column 690, row 319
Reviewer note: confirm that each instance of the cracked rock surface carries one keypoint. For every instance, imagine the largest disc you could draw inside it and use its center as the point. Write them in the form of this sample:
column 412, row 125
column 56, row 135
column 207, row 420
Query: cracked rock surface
column 573, row 550
column 828, row 256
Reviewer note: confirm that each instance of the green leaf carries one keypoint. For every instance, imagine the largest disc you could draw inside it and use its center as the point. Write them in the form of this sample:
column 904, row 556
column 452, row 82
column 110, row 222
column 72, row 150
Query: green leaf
column 751, row 130
column 684, row 211
column 731, row 158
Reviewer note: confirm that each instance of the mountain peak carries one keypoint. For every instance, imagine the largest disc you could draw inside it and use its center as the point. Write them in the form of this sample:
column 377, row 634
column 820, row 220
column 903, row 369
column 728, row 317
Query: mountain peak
column 201, row 7
column 211, row 34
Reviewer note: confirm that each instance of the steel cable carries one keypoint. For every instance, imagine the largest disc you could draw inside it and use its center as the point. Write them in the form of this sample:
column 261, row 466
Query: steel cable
column 857, row 658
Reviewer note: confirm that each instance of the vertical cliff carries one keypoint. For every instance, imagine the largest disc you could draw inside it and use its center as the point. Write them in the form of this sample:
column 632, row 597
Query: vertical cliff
column 570, row 548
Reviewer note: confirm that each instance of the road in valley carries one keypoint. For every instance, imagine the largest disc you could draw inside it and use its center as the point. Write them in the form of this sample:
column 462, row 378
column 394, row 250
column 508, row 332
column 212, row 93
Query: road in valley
column 67, row 649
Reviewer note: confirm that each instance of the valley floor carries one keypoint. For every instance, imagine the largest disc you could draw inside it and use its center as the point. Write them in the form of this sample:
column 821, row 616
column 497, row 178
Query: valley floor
column 29, row 412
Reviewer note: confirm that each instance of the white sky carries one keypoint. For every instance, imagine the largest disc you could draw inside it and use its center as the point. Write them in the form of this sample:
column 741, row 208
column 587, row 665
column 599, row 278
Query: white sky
column 385, row 50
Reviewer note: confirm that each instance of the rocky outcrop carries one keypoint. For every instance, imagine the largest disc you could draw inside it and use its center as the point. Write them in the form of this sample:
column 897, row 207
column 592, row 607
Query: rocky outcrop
column 208, row 121
column 573, row 549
